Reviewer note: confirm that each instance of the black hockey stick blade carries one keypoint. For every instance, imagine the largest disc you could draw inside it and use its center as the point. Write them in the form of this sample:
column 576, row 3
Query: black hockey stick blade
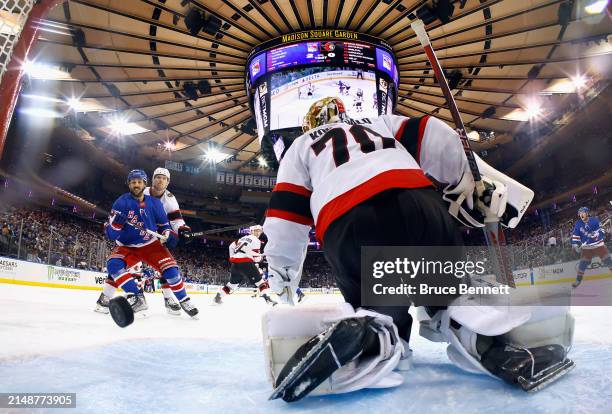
column 547, row 376
column 320, row 357
column 121, row 311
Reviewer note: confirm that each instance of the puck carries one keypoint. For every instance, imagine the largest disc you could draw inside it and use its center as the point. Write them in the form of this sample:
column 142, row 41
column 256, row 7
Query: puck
column 121, row 311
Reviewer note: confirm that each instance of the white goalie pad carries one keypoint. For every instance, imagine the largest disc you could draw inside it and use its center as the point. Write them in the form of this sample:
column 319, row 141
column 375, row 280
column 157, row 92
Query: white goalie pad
column 287, row 329
column 521, row 326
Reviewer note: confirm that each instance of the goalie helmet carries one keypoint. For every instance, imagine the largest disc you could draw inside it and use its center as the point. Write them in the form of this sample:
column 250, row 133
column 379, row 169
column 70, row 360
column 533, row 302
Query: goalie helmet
column 325, row 111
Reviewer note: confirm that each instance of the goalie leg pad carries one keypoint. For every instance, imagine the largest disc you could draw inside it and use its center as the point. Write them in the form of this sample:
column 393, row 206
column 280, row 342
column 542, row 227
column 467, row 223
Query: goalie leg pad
column 533, row 341
column 351, row 352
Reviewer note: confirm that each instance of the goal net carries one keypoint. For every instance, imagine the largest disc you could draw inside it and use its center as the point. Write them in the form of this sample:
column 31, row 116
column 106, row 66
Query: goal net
column 13, row 16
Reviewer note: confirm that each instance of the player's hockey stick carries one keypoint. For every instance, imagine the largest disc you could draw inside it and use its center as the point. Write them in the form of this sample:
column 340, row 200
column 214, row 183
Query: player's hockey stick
column 493, row 233
column 221, row 230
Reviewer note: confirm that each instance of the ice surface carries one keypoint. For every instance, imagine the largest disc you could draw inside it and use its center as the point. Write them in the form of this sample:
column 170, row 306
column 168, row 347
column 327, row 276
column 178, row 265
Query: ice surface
column 52, row 341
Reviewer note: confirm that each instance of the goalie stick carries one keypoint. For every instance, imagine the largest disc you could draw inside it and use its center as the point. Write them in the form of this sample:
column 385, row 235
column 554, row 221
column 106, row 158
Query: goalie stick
column 494, row 235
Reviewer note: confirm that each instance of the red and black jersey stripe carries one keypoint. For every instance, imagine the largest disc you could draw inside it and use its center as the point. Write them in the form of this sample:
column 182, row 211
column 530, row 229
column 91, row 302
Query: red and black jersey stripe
column 410, row 135
column 290, row 202
column 175, row 215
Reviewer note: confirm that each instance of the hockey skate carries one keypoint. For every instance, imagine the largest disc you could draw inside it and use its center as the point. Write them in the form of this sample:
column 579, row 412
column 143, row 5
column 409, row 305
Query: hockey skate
column 102, row 304
column 172, row 307
column 189, row 308
column 532, row 369
column 577, row 282
column 301, row 296
column 269, row 300
column 217, row 300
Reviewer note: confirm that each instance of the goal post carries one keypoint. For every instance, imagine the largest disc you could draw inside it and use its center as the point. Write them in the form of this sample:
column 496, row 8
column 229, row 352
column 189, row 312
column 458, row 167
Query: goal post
column 18, row 33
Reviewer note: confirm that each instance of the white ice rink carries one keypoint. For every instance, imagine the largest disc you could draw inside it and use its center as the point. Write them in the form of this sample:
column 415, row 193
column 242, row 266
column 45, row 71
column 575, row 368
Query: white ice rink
column 52, row 341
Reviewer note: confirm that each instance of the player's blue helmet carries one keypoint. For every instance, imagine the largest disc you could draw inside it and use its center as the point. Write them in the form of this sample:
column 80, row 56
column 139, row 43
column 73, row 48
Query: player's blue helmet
column 583, row 210
column 134, row 174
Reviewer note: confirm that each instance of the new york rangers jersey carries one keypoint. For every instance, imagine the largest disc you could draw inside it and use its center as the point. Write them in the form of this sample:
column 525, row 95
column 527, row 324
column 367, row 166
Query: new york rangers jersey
column 332, row 168
column 171, row 207
column 147, row 214
column 246, row 249
column 588, row 235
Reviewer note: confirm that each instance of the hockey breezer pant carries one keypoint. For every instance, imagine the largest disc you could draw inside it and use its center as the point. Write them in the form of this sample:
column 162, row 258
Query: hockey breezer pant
column 396, row 217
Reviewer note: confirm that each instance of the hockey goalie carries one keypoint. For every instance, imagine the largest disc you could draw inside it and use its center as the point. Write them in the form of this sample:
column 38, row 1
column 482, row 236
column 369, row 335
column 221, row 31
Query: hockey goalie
column 370, row 182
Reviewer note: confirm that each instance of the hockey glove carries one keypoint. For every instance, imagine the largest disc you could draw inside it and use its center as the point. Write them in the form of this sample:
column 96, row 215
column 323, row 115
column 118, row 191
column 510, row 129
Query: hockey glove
column 469, row 208
column 184, row 233
column 112, row 228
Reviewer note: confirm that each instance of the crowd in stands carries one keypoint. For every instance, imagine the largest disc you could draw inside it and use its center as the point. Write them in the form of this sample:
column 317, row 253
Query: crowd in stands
column 59, row 238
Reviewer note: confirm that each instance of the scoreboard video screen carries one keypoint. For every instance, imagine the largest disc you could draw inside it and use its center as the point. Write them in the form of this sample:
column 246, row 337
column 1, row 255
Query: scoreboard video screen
column 285, row 76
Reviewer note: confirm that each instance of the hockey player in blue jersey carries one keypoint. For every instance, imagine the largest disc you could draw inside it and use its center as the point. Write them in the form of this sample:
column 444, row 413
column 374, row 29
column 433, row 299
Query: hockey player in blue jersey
column 133, row 215
column 588, row 239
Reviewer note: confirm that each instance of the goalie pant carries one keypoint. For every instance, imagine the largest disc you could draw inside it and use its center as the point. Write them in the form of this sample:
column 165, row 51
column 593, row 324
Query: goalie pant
column 396, row 217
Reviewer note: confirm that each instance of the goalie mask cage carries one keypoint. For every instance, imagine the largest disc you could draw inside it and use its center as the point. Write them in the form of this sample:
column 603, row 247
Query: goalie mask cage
column 18, row 32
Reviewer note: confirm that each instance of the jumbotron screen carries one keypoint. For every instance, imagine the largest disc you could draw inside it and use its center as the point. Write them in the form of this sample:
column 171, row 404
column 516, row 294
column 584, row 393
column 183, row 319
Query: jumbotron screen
column 285, row 76
column 293, row 92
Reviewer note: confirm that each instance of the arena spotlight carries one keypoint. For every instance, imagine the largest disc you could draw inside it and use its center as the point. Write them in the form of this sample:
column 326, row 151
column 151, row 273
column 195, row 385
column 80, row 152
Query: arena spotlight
column 579, row 82
column 533, row 110
column 262, row 161
column 74, row 103
column 596, row 7
column 41, row 71
column 40, row 112
column 169, row 146
column 215, row 156
column 120, row 126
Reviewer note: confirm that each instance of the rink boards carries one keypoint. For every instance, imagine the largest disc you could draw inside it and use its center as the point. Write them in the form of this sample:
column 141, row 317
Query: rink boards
column 20, row 272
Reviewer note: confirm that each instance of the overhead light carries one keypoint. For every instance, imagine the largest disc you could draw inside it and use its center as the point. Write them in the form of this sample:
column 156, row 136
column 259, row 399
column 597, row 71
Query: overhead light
column 262, row 161
column 530, row 112
column 41, row 98
column 596, row 7
column 169, row 146
column 214, row 155
column 44, row 72
column 533, row 109
column 121, row 126
column 41, row 112
column 579, row 82
column 86, row 105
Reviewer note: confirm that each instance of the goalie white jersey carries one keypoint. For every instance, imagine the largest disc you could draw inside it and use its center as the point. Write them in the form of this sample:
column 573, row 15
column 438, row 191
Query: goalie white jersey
column 332, row 168
column 246, row 249
column 171, row 207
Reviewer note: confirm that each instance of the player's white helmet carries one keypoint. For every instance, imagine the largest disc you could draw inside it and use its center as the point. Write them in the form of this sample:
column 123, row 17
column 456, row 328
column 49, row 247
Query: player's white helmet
column 256, row 228
column 325, row 111
column 161, row 171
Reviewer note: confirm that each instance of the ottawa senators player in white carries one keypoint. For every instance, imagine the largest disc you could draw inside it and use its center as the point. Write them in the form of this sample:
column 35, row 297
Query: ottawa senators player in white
column 370, row 182
column 243, row 256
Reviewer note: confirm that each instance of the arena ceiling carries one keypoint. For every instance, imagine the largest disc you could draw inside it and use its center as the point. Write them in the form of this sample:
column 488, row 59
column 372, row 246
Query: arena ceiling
column 132, row 59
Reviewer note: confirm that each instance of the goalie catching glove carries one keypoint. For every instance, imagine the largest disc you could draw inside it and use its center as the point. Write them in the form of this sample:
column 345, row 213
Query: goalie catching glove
column 504, row 199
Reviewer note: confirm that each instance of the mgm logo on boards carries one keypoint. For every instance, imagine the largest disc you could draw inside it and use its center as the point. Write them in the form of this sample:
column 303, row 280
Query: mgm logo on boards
column 63, row 275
